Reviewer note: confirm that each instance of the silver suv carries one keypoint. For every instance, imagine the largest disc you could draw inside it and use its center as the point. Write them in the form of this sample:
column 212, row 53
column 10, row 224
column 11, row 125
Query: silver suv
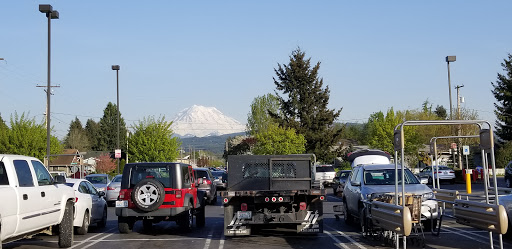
column 324, row 175
column 366, row 180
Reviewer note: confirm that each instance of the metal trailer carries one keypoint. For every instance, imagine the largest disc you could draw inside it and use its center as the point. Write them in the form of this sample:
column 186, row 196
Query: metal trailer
column 489, row 216
column 272, row 191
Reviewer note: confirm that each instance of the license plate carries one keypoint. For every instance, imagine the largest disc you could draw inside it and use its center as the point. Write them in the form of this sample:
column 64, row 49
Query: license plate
column 121, row 204
column 244, row 214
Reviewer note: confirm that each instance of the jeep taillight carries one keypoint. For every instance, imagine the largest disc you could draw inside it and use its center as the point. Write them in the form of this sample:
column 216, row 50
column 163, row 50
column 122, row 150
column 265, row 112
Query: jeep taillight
column 178, row 193
column 243, row 207
column 123, row 194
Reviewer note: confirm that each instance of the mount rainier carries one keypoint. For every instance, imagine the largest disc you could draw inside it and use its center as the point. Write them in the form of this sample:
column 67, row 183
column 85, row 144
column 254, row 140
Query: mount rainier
column 201, row 121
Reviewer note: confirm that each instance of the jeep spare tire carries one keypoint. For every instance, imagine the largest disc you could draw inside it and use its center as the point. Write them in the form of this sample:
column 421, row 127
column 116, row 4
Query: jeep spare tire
column 148, row 195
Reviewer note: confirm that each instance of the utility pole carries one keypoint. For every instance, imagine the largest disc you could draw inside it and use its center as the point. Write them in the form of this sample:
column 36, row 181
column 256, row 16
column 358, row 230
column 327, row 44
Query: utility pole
column 46, row 113
column 459, row 145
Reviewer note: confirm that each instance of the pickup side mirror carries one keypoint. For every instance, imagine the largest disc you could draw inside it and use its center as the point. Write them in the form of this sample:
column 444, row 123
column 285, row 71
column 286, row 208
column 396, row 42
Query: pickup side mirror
column 59, row 179
column 355, row 183
column 101, row 193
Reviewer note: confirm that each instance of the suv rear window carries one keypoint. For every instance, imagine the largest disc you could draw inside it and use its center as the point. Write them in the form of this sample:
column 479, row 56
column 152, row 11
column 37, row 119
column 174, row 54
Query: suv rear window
column 159, row 173
column 325, row 169
column 201, row 174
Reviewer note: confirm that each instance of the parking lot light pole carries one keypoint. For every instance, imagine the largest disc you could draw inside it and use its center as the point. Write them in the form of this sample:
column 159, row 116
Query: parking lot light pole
column 50, row 14
column 116, row 68
column 449, row 59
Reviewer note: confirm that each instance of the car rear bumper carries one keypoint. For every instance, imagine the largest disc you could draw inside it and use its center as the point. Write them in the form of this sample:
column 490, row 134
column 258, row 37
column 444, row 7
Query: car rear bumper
column 128, row 212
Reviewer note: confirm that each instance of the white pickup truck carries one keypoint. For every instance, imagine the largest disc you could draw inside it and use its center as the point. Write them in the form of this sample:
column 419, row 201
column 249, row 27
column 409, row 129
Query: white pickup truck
column 32, row 201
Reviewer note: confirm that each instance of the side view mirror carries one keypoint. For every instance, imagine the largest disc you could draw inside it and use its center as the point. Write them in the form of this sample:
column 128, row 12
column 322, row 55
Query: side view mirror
column 356, row 183
column 101, row 194
column 59, row 179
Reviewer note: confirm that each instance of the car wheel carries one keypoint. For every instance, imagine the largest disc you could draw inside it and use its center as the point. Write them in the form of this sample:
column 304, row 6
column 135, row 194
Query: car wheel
column 124, row 224
column 508, row 184
column 362, row 220
column 214, row 200
column 85, row 225
column 346, row 214
column 66, row 226
column 186, row 219
column 148, row 195
column 103, row 222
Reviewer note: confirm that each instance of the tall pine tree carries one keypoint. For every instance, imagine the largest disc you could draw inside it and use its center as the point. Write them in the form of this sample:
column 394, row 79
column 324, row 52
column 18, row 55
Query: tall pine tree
column 503, row 93
column 107, row 140
column 304, row 107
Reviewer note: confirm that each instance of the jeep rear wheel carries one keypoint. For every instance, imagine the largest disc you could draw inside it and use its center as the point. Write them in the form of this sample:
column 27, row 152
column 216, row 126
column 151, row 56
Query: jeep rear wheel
column 148, row 195
column 186, row 220
column 66, row 226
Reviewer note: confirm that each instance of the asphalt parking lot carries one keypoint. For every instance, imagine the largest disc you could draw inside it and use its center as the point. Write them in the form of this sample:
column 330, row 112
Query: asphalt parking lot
column 336, row 235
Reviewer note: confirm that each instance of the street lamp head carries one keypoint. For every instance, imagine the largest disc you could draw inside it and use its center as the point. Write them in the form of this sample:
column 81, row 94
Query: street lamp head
column 54, row 15
column 45, row 8
column 115, row 67
column 450, row 58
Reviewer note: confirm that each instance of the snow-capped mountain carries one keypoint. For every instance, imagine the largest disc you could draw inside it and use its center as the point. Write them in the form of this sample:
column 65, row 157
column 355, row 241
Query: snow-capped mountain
column 201, row 121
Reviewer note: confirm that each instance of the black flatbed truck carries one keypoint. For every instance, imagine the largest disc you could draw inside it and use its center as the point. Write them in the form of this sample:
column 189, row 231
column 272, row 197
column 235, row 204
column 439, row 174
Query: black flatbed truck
column 272, row 191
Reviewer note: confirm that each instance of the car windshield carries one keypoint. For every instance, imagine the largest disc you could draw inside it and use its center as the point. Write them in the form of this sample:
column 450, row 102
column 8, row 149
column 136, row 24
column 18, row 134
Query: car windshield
column 325, row 169
column 387, row 177
column 344, row 175
column 219, row 174
column 97, row 179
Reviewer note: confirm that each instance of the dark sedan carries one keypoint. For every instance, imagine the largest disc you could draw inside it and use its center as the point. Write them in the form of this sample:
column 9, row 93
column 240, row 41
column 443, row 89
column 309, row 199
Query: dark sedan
column 338, row 182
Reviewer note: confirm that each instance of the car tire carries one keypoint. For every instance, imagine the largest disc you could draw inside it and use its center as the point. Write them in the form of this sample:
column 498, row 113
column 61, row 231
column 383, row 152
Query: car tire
column 66, row 227
column 85, row 225
column 362, row 221
column 103, row 222
column 200, row 217
column 125, row 225
column 186, row 219
column 508, row 183
column 346, row 214
column 148, row 195
column 214, row 200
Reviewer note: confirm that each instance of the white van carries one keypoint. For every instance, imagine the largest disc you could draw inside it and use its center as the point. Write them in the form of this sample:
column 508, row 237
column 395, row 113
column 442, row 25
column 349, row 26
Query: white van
column 368, row 156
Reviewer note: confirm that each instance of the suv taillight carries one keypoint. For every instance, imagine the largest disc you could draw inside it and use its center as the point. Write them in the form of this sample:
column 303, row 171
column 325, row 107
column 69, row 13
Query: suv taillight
column 123, row 194
column 243, row 207
column 208, row 182
column 178, row 193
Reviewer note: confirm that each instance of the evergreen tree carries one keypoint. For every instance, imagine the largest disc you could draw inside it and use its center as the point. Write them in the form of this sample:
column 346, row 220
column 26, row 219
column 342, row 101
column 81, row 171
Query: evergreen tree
column 4, row 139
column 503, row 94
column 76, row 137
column 441, row 112
column 305, row 106
column 92, row 129
column 108, row 130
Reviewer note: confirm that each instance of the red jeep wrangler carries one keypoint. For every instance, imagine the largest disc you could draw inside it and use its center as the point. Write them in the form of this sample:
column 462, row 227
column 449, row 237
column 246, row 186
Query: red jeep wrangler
column 153, row 192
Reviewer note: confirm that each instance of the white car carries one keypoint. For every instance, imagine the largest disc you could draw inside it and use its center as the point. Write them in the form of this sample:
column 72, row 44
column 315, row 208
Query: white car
column 445, row 174
column 324, row 175
column 90, row 205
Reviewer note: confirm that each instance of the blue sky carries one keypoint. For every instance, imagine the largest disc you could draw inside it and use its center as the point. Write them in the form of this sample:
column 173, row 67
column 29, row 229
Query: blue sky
column 173, row 54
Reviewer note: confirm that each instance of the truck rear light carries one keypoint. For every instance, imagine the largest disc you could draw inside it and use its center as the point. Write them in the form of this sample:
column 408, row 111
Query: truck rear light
column 225, row 200
column 302, row 206
column 280, row 199
column 243, row 207
column 178, row 193
column 267, row 199
column 322, row 197
column 274, row 199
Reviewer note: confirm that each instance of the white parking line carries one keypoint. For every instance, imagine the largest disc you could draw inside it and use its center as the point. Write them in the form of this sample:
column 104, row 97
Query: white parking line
column 208, row 240
column 338, row 242
column 474, row 233
column 221, row 242
column 348, row 238
column 93, row 243
column 92, row 237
